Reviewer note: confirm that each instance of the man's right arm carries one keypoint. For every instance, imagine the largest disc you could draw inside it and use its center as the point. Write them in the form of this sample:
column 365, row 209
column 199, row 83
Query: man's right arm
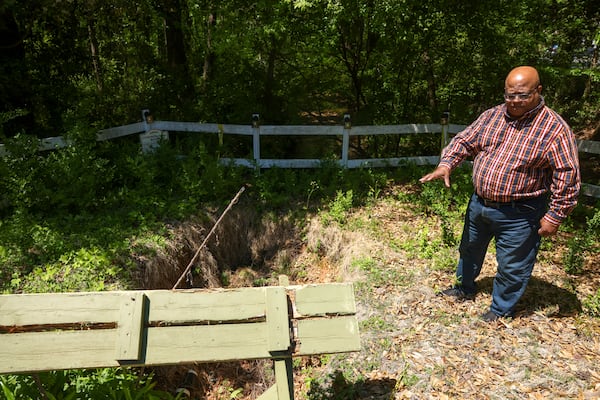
column 459, row 148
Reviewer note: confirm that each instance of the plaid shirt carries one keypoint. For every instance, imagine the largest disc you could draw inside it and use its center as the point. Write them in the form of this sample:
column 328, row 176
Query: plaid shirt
column 517, row 159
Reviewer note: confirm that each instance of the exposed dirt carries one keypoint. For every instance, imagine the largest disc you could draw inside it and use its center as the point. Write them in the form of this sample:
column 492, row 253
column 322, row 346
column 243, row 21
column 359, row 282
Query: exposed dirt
column 415, row 344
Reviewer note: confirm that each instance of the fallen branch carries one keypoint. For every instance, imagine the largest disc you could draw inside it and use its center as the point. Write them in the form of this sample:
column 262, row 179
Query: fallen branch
column 193, row 260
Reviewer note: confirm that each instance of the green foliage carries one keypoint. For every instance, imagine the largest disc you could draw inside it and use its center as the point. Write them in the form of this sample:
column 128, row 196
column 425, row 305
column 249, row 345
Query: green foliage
column 275, row 187
column 108, row 383
column 338, row 208
column 70, row 179
column 83, row 270
column 582, row 244
column 447, row 204
column 22, row 177
column 435, row 198
column 70, row 212
column 7, row 116
column 591, row 304
column 81, row 220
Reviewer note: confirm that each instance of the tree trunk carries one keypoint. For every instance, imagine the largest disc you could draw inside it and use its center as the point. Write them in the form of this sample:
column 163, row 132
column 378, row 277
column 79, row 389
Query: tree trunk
column 209, row 59
column 174, row 38
column 270, row 105
column 431, row 85
column 94, row 53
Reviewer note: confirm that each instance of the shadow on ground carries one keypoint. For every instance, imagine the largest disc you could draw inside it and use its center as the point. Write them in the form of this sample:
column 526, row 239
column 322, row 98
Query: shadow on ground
column 541, row 295
column 342, row 389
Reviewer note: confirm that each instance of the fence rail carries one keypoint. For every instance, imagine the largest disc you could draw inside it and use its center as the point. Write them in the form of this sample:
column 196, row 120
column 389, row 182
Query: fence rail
column 152, row 132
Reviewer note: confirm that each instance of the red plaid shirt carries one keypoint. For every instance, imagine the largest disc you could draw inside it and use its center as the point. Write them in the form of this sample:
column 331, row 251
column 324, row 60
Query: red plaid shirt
column 517, row 159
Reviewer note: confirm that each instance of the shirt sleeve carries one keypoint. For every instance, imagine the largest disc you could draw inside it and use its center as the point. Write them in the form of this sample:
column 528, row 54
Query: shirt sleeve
column 566, row 177
column 462, row 145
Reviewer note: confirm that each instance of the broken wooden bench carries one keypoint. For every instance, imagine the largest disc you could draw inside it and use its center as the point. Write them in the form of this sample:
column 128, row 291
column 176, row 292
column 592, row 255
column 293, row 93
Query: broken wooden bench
column 42, row 332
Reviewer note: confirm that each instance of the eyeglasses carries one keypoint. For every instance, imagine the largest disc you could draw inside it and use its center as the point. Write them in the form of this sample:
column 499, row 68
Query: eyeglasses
column 519, row 96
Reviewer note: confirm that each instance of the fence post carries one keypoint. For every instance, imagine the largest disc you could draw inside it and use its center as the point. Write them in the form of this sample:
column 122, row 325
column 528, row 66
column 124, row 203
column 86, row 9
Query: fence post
column 444, row 122
column 146, row 119
column 256, row 138
column 150, row 139
column 346, row 139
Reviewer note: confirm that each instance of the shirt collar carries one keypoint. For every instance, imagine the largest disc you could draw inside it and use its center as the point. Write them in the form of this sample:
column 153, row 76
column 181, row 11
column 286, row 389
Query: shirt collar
column 529, row 114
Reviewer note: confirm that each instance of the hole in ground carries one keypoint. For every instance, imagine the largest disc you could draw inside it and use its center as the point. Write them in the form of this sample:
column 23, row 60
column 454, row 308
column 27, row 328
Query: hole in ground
column 246, row 249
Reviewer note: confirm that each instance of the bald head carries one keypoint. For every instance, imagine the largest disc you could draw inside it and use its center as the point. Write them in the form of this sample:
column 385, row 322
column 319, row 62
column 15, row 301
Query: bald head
column 522, row 90
column 525, row 75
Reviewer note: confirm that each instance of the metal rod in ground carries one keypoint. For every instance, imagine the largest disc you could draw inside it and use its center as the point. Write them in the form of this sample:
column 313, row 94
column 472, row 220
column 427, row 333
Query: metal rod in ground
column 193, row 260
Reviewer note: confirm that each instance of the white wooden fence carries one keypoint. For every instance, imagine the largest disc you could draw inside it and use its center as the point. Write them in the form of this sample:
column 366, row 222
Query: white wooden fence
column 152, row 132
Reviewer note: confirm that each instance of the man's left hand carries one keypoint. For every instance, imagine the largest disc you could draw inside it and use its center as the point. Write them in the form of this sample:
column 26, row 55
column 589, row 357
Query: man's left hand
column 547, row 228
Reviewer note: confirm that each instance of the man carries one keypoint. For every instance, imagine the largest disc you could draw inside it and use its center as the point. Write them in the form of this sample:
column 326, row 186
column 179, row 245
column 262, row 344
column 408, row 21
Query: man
column 522, row 151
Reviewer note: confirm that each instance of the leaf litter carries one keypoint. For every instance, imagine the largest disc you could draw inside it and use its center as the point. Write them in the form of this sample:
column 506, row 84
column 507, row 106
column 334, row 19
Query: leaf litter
column 417, row 344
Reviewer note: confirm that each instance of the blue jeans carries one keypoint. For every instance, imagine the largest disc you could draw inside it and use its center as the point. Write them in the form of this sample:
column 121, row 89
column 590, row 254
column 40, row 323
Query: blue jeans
column 515, row 228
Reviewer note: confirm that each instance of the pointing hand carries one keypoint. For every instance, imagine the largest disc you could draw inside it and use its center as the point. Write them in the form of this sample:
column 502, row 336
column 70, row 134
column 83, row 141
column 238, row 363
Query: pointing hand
column 440, row 172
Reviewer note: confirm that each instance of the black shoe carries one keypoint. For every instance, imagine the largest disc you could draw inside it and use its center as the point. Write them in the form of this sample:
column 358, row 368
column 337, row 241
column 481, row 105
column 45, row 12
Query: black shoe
column 457, row 293
column 490, row 316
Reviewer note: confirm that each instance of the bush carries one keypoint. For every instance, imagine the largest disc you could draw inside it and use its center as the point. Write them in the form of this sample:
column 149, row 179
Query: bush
column 107, row 383
column 582, row 244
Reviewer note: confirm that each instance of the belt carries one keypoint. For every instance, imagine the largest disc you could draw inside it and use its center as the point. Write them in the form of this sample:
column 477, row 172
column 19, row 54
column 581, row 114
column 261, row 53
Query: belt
column 498, row 204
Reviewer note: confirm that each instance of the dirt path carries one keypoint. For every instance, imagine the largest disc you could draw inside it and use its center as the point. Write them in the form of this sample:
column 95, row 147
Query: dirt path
column 418, row 345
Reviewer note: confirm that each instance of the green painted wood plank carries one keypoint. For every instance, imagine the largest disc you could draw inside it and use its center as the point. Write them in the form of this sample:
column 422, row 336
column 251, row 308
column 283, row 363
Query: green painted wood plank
column 45, row 351
column 210, row 343
column 102, row 307
column 325, row 299
column 269, row 394
column 130, row 326
column 59, row 308
column 40, row 351
column 278, row 320
column 206, row 305
column 327, row 335
column 284, row 378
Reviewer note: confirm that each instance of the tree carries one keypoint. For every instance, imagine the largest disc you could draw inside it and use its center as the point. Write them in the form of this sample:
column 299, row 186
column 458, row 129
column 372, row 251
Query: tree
column 90, row 62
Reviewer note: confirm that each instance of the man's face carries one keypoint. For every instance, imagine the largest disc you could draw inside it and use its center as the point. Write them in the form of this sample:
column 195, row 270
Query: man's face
column 521, row 98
